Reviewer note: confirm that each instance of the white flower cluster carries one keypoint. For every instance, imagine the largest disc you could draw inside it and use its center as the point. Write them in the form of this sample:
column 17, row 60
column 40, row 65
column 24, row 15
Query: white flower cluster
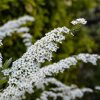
column 12, row 26
column 79, row 21
column 23, row 76
column 16, row 26
column 43, row 48
column 63, row 91
column 23, row 69
column 88, row 58
column 25, row 73
column 67, row 63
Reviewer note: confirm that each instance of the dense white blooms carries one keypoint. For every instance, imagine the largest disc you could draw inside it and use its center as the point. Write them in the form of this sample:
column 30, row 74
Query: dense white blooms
column 24, row 82
column 26, row 72
column 23, row 74
column 37, row 76
column 63, row 91
column 67, row 63
column 64, row 94
column 23, row 69
column 88, row 58
column 16, row 26
column 12, row 26
column 79, row 21
column 43, row 48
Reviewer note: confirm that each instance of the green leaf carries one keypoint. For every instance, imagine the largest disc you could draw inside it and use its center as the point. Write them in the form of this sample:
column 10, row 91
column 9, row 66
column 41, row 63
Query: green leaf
column 7, row 63
column 3, row 80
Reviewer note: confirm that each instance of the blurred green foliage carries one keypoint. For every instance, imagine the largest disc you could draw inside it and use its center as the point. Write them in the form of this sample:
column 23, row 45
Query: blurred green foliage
column 50, row 14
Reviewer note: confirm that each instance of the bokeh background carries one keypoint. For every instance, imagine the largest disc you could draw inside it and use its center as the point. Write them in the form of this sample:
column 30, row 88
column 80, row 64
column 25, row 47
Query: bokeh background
column 48, row 15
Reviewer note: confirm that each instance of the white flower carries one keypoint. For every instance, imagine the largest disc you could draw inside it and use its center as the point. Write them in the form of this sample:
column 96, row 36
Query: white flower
column 88, row 58
column 11, row 26
column 16, row 26
column 79, row 21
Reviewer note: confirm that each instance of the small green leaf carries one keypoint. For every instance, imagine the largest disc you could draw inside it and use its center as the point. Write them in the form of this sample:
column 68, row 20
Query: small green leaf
column 3, row 80
column 7, row 63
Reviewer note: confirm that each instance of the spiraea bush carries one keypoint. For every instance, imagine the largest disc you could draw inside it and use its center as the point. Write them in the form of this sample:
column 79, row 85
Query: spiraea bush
column 28, row 74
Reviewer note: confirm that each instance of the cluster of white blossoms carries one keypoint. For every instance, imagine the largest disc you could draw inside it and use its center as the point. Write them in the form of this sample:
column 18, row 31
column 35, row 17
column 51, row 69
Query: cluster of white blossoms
column 62, row 90
column 15, row 26
column 88, row 58
column 25, row 76
column 79, row 21
column 21, row 75
column 61, row 66
column 26, row 72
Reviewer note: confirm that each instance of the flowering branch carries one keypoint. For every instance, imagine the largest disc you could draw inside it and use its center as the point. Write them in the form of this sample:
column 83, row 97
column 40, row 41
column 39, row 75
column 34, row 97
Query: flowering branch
column 25, row 73
column 63, row 91
column 16, row 26
column 62, row 65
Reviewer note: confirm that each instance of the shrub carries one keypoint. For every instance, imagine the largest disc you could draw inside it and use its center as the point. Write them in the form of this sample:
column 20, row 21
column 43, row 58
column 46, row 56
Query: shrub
column 26, row 74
